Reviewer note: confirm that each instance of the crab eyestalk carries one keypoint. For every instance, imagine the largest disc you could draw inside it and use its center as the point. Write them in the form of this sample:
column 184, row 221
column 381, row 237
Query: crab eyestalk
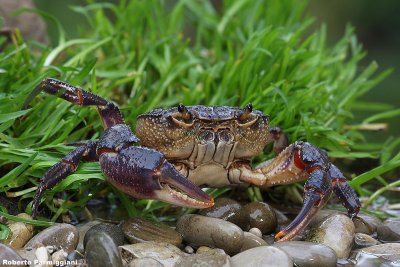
column 145, row 173
column 246, row 111
column 184, row 111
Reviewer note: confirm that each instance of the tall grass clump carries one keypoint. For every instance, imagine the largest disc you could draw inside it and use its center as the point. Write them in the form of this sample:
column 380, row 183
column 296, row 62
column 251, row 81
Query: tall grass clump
column 148, row 54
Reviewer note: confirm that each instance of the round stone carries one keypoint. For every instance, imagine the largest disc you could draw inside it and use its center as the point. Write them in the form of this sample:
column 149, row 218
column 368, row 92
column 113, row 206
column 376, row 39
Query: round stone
column 145, row 262
column 372, row 223
column 380, row 255
column 138, row 230
column 255, row 231
column 212, row 257
column 59, row 256
column 252, row 241
column 337, row 232
column 101, row 250
column 200, row 230
column 308, row 254
column 227, row 209
column 262, row 256
column 389, row 230
column 20, row 233
column 114, row 231
column 61, row 236
column 362, row 240
column 8, row 254
column 261, row 216
column 363, row 226
column 166, row 254
column 83, row 228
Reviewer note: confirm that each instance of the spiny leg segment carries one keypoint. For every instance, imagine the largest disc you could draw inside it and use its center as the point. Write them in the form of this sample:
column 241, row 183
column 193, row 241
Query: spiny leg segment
column 109, row 112
column 62, row 169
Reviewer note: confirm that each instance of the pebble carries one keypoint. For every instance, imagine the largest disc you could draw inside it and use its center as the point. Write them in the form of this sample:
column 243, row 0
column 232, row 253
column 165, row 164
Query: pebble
column 262, row 256
column 381, row 255
column 140, row 230
column 321, row 216
column 201, row 230
column 74, row 255
column 62, row 236
column 261, row 216
column 212, row 257
column 114, row 231
column 27, row 254
column 202, row 249
column 337, row 232
column 389, row 230
column 101, row 250
column 373, row 222
column 362, row 240
column 308, row 254
column 42, row 256
column 363, row 226
column 59, row 256
column 189, row 249
column 83, row 228
column 50, row 249
column 227, row 209
column 20, row 233
column 270, row 239
column 145, row 262
column 165, row 253
column 252, row 241
column 346, row 263
column 281, row 218
column 255, row 231
column 7, row 253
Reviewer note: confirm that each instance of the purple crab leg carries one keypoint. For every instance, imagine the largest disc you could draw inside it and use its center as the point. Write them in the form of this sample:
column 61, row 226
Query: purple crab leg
column 323, row 177
column 61, row 170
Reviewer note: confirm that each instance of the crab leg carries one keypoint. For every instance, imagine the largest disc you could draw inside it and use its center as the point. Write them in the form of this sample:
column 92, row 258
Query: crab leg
column 61, row 170
column 344, row 191
column 108, row 111
column 281, row 140
column 303, row 161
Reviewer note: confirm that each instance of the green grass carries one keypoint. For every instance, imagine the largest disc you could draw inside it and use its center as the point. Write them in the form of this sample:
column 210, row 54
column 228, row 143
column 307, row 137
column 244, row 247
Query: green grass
column 146, row 54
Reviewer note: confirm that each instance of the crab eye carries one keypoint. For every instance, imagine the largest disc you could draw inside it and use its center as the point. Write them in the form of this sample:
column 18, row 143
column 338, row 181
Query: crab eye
column 182, row 117
column 182, row 108
column 246, row 118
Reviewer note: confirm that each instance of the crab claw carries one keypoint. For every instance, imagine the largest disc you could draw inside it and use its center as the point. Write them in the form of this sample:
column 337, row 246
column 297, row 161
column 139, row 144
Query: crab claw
column 145, row 173
column 313, row 201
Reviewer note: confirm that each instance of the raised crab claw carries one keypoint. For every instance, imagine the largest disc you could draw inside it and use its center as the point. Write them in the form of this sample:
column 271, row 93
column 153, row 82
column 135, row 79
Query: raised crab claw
column 182, row 148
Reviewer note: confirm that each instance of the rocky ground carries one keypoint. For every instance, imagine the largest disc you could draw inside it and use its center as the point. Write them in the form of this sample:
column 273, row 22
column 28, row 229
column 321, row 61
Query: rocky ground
column 228, row 234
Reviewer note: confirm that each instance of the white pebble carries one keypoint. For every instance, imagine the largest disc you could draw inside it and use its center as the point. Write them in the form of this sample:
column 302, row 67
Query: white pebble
column 59, row 256
column 189, row 249
column 255, row 231
column 42, row 255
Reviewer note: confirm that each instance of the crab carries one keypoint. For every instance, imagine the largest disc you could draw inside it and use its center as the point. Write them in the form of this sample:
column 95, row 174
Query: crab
column 187, row 147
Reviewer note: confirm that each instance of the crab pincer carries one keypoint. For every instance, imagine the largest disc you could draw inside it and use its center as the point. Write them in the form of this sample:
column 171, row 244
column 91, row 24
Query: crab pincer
column 323, row 178
column 145, row 173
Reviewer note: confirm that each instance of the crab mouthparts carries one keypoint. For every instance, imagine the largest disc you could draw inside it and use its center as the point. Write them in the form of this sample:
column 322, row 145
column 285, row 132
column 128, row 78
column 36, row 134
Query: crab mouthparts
column 178, row 190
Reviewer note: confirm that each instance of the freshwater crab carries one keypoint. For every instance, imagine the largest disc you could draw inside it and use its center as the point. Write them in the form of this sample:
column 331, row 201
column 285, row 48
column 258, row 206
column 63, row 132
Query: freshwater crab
column 182, row 148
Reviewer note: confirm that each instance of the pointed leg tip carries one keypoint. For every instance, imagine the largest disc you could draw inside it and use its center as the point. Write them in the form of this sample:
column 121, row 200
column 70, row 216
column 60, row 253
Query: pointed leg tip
column 210, row 203
column 279, row 235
